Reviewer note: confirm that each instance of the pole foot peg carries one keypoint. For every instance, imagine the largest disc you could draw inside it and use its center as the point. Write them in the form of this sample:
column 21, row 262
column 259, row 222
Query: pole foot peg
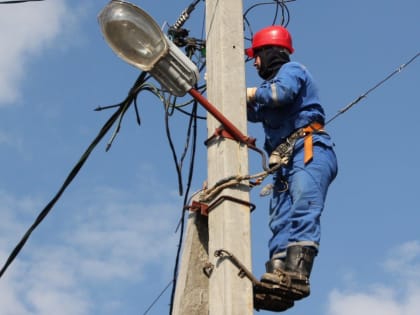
column 270, row 299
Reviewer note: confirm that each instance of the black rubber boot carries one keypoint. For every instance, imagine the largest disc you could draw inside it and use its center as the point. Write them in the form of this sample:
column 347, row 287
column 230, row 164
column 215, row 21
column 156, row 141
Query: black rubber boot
column 274, row 264
column 279, row 279
column 272, row 296
column 276, row 273
column 290, row 278
column 298, row 265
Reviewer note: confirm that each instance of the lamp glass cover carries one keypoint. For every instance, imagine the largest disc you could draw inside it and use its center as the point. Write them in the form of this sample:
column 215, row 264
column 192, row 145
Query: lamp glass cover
column 132, row 34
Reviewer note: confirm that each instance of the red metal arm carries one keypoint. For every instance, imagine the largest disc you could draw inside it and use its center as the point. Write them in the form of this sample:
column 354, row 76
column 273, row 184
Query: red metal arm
column 228, row 126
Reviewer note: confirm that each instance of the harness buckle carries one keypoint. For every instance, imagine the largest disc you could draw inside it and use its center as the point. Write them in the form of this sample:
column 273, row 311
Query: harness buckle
column 283, row 152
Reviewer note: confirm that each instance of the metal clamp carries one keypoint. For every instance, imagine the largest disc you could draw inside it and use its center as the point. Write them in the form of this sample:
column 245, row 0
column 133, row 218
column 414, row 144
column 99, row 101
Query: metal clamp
column 205, row 208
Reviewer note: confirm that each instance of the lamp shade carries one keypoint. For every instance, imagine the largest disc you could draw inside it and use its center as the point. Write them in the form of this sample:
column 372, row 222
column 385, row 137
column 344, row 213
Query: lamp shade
column 132, row 34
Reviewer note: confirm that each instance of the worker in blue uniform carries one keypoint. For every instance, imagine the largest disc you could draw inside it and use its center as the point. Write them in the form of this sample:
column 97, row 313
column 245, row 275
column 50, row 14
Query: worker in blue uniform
column 288, row 106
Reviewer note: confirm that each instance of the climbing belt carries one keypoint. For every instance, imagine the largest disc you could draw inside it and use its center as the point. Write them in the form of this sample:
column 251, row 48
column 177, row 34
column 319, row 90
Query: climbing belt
column 282, row 154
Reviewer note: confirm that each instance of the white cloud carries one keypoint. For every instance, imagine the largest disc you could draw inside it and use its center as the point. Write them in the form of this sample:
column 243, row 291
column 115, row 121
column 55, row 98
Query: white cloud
column 400, row 298
column 372, row 303
column 33, row 285
column 10, row 301
column 30, row 288
column 25, row 31
column 119, row 240
column 14, row 211
column 379, row 301
column 405, row 260
column 9, row 140
column 111, row 240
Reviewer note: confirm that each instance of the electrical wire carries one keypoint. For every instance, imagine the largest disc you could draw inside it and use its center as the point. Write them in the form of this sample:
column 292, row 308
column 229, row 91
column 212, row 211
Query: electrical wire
column 170, row 105
column 107, row 126
column 179, row 163
column 280, row 5
column 193, row 46
column 182, row 219
column 18, row 1
column 157, row 298
column 359, row 98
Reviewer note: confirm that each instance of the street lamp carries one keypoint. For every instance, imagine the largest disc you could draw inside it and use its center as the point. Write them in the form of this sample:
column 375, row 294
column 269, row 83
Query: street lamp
column 136, row 38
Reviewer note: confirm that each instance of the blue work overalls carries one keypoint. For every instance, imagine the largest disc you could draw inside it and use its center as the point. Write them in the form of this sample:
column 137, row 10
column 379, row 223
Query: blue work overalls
column 283, row 105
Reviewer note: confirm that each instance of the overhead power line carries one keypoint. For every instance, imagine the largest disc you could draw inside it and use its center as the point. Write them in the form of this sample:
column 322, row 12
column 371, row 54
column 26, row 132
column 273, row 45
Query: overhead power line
column 359, row 98
column 18, row 1
column 122, row 108
column 157, row 298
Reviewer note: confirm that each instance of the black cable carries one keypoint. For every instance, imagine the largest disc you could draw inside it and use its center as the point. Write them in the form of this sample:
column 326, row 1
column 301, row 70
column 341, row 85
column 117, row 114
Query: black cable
column 174, row 155
column 280, row 4
column 107, row 126
column 68, row 180
column 182, row 220
column 359, row 98
column 192, row 126
column 125, row 104
column 187, row 141
column 285, row 14
column 178, row 163
column 157, row 298
column 189, row 114
column 18, row 1
column 168, row 104
column 169, row 110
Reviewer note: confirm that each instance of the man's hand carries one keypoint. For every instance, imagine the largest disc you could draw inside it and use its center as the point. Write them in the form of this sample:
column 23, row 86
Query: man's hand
column 250, row 94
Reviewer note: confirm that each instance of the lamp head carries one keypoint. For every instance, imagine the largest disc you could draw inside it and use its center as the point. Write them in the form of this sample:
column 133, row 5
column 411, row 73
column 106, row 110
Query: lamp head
column 136, row 38
column 132, row 34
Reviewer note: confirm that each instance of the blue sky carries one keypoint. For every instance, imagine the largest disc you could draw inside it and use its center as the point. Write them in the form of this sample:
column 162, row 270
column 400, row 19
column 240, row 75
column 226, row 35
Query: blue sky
column 109, row 244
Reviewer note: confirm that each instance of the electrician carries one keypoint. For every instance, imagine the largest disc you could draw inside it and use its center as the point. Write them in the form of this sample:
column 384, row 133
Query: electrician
column 288, row 106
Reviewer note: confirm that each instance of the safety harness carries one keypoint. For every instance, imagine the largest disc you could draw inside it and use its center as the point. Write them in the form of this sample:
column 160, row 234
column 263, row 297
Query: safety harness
column 281, row 154
column 307, row 133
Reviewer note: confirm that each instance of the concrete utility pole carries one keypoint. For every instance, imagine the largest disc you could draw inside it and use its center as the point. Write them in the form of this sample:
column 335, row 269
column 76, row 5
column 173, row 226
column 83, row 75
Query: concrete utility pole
column 191, row 295
column 229, row 223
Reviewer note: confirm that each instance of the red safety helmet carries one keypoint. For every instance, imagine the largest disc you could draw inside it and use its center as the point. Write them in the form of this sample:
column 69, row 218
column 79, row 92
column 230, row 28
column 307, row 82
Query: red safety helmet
column 271, row 36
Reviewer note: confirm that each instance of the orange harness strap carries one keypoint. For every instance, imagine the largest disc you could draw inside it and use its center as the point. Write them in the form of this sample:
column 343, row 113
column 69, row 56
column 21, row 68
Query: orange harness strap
column 308, row 140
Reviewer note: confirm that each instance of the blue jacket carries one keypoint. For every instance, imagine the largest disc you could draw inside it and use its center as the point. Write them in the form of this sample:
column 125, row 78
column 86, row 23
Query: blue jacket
column 286, row 103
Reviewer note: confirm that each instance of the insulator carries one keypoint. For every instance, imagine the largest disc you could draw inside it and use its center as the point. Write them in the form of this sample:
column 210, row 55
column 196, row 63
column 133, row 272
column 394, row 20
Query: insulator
column 181, row 20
